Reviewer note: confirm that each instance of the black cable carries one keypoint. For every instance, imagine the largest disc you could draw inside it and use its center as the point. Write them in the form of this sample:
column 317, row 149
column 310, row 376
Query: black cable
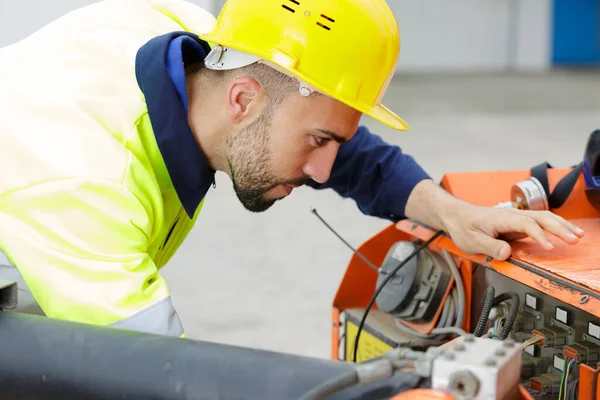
column 331, row 386
column 488, row 303
column 573, row 390
column 369, row 263
column 387, row 279
column 512, row 313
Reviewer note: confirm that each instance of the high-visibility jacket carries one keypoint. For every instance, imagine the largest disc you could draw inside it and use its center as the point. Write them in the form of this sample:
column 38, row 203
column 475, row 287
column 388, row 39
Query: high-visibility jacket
column 88, row 212
column 101, row 179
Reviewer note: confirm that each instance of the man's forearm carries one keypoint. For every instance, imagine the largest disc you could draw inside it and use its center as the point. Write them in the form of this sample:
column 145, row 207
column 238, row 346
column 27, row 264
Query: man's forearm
column 430, row 204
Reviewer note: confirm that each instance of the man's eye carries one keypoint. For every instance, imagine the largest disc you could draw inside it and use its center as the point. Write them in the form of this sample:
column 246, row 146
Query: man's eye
column 320, row 140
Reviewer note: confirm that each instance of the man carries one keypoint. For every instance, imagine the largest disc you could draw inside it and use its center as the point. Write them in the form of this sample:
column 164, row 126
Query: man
column 116, row 117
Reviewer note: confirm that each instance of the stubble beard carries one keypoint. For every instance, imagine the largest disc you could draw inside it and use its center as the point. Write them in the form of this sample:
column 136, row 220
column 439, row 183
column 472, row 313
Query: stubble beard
column 250, row 163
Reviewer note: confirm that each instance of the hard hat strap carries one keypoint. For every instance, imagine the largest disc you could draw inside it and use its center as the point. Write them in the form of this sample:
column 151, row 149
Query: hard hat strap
column 223, row 58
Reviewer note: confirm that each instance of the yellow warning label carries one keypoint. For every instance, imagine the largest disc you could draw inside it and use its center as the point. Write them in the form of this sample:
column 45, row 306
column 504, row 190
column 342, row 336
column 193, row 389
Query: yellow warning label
column 368, row 346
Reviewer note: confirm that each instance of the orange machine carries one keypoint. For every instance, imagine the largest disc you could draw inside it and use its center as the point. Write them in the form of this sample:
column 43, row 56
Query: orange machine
column 548, row 301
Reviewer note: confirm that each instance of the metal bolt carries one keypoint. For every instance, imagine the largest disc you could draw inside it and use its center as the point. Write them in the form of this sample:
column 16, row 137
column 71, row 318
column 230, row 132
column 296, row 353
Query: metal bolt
column 490, row 362
column 449, row 356
column 584, row 299
column 500, row 353
column 307, row 13
column 469, row 338
column 509, row 343
column 459, row 347
column 413, row 227
column 463, row 385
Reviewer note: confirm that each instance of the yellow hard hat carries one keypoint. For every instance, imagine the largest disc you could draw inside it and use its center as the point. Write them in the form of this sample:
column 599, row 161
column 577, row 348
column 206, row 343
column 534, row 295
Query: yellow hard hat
column 346, row 49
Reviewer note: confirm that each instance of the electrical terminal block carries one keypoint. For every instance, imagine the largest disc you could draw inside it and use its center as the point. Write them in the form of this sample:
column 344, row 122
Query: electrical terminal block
column 546, row 384
column 583, row 352
column 551, row 337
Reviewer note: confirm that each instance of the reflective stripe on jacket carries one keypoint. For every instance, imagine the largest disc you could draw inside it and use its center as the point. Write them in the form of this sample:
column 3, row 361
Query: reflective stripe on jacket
column 88, row 211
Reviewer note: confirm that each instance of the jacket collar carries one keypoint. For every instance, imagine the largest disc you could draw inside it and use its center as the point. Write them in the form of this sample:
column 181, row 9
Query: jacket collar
column 159, row 70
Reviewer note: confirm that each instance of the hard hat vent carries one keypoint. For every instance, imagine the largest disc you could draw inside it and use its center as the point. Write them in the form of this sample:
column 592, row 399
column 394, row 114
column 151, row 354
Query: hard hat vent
column 290, row 9
column 322, row 25
column 307, row 13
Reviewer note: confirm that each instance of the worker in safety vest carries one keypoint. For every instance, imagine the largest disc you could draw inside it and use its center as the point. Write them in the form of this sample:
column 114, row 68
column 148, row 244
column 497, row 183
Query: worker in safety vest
column 116, row 116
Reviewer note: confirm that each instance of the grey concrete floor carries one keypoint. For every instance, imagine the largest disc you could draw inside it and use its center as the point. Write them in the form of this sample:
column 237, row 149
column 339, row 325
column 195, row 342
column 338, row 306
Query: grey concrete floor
column 267, row 280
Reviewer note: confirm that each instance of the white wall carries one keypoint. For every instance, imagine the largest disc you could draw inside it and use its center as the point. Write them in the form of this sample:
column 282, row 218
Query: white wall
column 473, row 34
column 436, row 34
column 534, row 48
column 19, row 18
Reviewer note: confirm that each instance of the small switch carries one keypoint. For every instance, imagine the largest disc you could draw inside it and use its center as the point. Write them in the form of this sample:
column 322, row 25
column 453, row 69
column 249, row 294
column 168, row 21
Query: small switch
column 532, row 302
column 563, row 315
column 559, row 362
column 593, row 330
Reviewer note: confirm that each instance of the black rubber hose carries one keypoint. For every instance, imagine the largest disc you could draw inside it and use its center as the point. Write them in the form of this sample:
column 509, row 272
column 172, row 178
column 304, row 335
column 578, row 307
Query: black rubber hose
column 49, row 359
column 332, row 386
column 512, row 313
column 488, row 303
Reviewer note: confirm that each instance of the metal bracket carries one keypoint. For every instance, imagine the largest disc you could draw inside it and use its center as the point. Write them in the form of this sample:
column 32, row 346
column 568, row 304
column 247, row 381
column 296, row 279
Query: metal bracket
column 9, row 297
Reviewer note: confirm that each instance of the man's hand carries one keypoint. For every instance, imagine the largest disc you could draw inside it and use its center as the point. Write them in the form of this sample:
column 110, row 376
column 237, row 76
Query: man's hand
column 485, row 230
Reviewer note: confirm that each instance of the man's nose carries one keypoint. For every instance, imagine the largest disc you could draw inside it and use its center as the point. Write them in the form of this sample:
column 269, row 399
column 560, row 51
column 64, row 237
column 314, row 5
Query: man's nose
column 321, row 162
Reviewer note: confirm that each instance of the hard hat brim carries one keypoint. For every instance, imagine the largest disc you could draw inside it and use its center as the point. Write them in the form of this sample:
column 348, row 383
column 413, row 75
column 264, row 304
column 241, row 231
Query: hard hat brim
column 384, row 115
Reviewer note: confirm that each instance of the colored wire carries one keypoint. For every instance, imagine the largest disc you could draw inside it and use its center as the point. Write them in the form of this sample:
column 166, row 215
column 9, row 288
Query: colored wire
column 562, row 379
column 571, row 363
column 512, row 313
column 530, row 341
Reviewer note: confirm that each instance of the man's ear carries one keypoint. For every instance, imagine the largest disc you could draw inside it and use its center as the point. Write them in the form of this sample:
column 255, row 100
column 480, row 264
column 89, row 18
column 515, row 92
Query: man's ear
column 245, row 99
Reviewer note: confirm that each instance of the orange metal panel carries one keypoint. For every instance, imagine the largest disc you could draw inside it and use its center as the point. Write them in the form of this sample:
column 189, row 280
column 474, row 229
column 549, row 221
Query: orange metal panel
column 588, row 383
column 490, row 188
column 335, row 333
column 531, row 275
column 577, row 263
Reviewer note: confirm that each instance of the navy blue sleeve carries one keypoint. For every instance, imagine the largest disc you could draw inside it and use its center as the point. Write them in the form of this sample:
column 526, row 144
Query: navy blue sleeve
column 378, row 176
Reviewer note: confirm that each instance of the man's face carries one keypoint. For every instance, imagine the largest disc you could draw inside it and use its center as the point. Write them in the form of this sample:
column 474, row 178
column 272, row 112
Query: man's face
column 287, row 145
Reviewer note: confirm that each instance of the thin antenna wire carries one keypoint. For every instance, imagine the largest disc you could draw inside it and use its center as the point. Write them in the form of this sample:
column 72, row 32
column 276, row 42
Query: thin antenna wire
column 369, row 263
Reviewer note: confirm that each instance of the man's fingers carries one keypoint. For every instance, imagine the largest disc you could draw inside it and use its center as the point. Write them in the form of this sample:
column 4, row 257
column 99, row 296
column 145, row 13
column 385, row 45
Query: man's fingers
column 557, row 225
column 529, row 225
column 485, row 244
column 571, row 226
